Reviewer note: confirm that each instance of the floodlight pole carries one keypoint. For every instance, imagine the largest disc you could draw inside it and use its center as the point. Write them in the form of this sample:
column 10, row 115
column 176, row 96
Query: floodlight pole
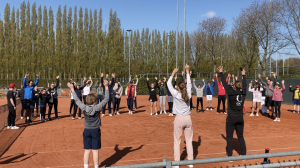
column 129, row 30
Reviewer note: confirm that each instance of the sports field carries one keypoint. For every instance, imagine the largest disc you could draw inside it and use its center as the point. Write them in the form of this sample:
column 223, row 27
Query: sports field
column 141, row 138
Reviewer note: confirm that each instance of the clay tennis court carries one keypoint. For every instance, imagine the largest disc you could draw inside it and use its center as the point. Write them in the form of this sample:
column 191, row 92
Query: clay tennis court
column 141, row 138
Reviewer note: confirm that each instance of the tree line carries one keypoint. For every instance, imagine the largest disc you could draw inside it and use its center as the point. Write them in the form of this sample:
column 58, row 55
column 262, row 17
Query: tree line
column 78, row 45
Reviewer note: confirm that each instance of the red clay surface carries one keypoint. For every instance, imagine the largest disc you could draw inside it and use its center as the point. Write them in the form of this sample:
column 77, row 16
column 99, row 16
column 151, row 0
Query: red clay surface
column 142, row 138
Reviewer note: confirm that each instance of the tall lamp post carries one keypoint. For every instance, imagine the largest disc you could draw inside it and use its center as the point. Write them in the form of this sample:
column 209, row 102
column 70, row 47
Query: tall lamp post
column 129, row 30
column 168, row 55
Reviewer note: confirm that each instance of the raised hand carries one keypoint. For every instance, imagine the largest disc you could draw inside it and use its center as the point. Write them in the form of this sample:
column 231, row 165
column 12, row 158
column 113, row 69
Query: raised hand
column 194, row 79
column 90, row 78
column 113, row 75
column 147, row 78
column 267, row 78
column 216, row 75
column 250, row 84
column 175, row 77
column 203, row 80
column 190, row 72
column 135, row 75
column 282, row 81
column 101, row 75
column 232, row 75
column 274, row 74
column 175, row 71
column 229, row 75
column 213, row 79
column 70, row 85
column 235, row 78
column 57, row 77
column 155, row 78
column 182, row 73
column 259, row 75
column 221, row 70
column 37, row 75
column 290, row 85
column 26, row 74
column 255, row 80
column 70, row 79
column 187, row 68
column 243, row 72
column 106, row 75
column 84, row 78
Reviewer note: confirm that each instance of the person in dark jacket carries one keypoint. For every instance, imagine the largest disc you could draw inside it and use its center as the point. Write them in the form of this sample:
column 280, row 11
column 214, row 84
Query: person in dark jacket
column 162, row 96
column 296, row 96
column 44, row 97
column 170, row 97
column 53, row 99
column 235, row 117
column 35, row 101
column 78, row 90
column 111, row 93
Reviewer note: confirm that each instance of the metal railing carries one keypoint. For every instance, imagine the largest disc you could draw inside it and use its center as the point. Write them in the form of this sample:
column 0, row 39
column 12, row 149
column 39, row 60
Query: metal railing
column 4, row 114
column 168, row 164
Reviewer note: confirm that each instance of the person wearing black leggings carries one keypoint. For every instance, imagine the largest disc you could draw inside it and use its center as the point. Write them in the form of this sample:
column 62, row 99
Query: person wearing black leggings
column 277, row 98
column 235, row 117
column 221, row 95
column 53, row 98
column 170, row 97
column 199, row 93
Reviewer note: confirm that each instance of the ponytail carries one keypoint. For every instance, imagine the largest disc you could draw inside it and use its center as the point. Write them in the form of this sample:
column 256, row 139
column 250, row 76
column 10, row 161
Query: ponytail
column 184, row 94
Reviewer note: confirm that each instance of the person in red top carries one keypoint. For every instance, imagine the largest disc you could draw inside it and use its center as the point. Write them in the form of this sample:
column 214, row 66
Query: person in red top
column 221, row 95
column 130, row 96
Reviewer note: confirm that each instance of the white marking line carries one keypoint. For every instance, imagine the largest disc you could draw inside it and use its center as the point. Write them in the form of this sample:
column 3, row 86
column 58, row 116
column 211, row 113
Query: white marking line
column 136, row 160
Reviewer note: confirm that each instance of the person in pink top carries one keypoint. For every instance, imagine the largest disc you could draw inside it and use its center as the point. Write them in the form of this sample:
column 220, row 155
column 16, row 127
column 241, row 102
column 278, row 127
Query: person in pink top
column 221, row 95
column 277, row 98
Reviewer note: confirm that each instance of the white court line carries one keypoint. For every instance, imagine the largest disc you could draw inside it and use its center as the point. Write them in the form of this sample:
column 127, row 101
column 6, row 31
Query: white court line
column 223, row 153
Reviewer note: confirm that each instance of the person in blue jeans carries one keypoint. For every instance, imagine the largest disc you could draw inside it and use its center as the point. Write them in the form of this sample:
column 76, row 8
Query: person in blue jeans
column 35, row 101
column 209, row 92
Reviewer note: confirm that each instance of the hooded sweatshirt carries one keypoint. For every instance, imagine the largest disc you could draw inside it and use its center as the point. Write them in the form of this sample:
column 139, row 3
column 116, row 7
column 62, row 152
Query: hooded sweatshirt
column 199, row 92
column 277, row 94
column 91, row 113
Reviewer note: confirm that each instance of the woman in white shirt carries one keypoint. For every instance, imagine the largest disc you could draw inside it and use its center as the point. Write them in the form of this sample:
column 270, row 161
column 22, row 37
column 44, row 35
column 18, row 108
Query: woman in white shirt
column 87, row 90
column 181, row 107
column 256, row 89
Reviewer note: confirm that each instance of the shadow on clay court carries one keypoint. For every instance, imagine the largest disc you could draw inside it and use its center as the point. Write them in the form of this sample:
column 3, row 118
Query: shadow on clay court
column 118, row 155
column 293, row 110
column 137, row 111
column 235, row 144
column 38, row 121
column 196, row 145
column 16, row 158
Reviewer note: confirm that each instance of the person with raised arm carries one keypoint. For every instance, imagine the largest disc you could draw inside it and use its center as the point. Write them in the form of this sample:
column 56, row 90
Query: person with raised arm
column 118, row 91
column 235, row 118
column 182, row 121
column 221, row 95
column 92, row 123
column 257, row 93
column 162, row 96
column 28, row 96
column 170, row 97
column 296, row 97
column 111, row 99
column 135, row 85
column 78, row 90
column 277, row 98
column 152, row 95
column 269, row 103
column 87, row 88
column 130, row 96
column 99, row 89
column 199, row 93
column 53, row 101
column 209, row 92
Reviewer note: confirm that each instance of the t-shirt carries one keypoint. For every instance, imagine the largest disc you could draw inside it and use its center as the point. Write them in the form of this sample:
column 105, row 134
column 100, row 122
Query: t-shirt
column 10, row 95
column 86, row 90
column 296, row 96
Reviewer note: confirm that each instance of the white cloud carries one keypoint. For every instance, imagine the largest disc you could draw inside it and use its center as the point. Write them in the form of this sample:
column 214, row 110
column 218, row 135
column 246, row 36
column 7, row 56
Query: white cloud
column 209, row 14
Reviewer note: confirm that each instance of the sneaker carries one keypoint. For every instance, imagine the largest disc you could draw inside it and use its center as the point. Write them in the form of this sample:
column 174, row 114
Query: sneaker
column 190, row 166
column 131, row 113
column 29, row 121
column 73, row 118
column 278, row 119
column 225, row 113
column 207, row 109
column 22, row 118
column 160, row 112
column 118, row 113
column 197, row 111
column 103, row 115
column 110, row 115
column 14, row 127
column 210, row 109
column 58, row 118
column 298, row 112
column 165, row 112
column 70, row 114
column 151, row 114
column 257, row 114
column 49, row 119
column 79, row 118
column 156, row 114
column 275, row 119
column 251, row 114
column 27, row 118
column 217, row 112
column 294, row 111
column 8, row 127
column 202, row 111
column 175, row 166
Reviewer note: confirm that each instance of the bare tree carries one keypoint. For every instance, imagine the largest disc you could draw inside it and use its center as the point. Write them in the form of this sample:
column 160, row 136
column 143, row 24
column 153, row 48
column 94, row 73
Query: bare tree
column 212, row 28
column 289, row 17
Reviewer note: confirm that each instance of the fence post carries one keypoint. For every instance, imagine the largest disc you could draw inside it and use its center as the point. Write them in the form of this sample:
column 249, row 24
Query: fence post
column 168, row 163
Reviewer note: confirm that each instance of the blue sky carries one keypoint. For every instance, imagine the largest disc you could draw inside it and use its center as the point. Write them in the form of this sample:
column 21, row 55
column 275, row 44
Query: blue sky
column 152, row 14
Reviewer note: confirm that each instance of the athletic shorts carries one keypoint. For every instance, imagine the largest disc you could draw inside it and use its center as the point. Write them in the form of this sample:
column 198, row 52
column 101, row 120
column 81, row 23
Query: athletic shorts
column 296, row 101
column 28, row 104
column 257, row 100
column 269, row 102
column 92, row 138
column 170, row 99
column 152, row 98
column 208, row 97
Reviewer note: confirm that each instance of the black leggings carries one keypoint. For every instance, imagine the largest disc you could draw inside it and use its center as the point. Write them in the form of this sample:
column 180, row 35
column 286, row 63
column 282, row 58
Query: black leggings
column 277, row 106
column 22, row 109
column 75, row 111
column 84, row 99
column 55, row 102
column 237, row 124
column 191, row 102
column 72, row 104
column 223, row 99
column 43, row 112
column 199, row 99
column 11, row 116
column 170, row 107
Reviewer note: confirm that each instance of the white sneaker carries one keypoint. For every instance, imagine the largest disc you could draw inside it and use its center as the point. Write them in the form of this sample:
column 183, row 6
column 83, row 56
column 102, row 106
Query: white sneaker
column 14, row 127
column 156, row 114
column 251, row 114
column 190, row 166
column 257, row 114
column 175, row 166
column 110, row 115
column 225, row 113
column 22, row 118
column 298, row 112
column 210, row 109
column 103, row 115
column 170, row 114
column 27, row 118
column 8, row 127
column 160, row 112
column 118, row 113
column 151, row 114
column 79, row 118
column 73, row 118
column 207, row 109
column 165, row 112
column 131, row 113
